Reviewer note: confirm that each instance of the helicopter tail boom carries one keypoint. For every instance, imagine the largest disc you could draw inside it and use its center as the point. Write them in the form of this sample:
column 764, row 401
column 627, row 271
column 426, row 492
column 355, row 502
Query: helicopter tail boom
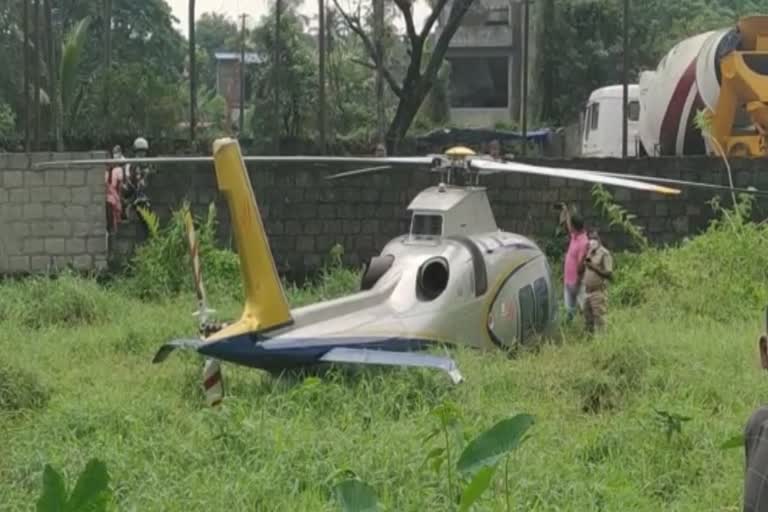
column 266, row 306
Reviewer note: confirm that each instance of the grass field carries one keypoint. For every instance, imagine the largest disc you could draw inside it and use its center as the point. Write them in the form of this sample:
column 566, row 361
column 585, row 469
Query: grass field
column 76, row 382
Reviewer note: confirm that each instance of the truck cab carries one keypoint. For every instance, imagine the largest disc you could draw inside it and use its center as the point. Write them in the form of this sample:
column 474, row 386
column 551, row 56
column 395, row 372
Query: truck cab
column 601, row 122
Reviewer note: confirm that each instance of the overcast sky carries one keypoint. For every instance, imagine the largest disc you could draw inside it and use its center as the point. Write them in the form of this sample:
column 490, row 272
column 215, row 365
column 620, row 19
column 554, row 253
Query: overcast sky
column 255, row 9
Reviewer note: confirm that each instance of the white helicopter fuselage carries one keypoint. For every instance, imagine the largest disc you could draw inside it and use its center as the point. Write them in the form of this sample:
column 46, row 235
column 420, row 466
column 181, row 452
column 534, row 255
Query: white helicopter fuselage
column 455, row 278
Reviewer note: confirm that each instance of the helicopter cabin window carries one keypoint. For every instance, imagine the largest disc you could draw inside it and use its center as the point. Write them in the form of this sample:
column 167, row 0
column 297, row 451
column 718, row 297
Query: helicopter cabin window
column 541, row 291
column 426, row 225
column 527, row 312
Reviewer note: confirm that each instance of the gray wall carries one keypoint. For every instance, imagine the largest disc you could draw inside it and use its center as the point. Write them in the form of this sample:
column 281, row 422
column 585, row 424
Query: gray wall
column 53, row 218
column 306, row 215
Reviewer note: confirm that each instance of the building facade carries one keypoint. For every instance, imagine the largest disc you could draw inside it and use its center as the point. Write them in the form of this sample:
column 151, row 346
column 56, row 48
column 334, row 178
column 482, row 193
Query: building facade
column 486, row 63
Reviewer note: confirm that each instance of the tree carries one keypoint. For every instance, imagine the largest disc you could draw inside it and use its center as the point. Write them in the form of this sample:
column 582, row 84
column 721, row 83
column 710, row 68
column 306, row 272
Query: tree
column 422, row 69
column 214, row 32
column 297, row 80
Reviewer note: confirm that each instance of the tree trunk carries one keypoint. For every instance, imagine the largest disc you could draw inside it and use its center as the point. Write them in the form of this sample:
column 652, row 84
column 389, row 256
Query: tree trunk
column 407, row 109
column 193, row 74
column 36, row 73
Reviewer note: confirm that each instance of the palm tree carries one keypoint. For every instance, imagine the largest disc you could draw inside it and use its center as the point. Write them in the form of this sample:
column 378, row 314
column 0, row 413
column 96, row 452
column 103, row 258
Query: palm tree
column 71, row 54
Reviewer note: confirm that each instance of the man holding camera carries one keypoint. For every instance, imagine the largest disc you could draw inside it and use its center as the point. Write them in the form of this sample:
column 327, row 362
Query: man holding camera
column 573, row 268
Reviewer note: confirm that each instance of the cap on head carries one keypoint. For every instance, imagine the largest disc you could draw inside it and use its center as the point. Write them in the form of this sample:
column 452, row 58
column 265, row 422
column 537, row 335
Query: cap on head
column 140, row 144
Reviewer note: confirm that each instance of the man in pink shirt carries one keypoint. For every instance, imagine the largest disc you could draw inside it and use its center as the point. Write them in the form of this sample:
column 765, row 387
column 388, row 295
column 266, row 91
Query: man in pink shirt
column 574, row 260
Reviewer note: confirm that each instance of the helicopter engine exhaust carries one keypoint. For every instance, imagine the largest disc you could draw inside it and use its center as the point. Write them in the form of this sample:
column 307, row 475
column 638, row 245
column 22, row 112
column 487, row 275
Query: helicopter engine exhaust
column 432, row 278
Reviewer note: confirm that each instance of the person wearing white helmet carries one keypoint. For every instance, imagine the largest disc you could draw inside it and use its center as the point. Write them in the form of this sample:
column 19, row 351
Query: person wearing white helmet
column 135, row 184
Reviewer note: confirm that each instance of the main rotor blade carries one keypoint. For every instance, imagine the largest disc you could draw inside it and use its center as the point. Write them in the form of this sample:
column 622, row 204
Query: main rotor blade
column 405, row 161
column 685, row 183
column 571, row 174
column 357, row 172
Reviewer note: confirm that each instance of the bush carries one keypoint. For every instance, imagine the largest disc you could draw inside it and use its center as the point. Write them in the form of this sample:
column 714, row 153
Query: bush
column 20, row 390
column 719, row 274
column 162, row 267
column 65, row 299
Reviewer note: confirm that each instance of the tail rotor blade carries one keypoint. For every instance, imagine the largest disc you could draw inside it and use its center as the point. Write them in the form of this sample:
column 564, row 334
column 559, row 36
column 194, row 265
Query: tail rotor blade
column 213, row 382
column 194, row 251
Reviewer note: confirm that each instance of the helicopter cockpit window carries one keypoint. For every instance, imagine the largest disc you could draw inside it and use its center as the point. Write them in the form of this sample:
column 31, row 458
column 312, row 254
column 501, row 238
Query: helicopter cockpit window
column 426, row 225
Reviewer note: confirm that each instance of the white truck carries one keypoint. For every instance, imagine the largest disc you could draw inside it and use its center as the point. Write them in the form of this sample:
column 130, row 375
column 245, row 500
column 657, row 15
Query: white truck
column 723, row 73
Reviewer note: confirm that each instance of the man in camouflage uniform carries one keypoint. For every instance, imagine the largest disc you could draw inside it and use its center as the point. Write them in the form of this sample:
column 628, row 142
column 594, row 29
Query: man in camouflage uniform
column 598, row 270
column 756, row 449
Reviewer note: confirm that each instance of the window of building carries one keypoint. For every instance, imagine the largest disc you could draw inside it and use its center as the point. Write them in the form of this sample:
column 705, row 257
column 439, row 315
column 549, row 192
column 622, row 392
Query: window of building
column 498, row 16
column 479, row 82
column 527, row 312
column 426, row 225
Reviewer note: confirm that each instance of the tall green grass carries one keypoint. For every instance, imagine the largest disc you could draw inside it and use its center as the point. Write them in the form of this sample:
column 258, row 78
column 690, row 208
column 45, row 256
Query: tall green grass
column 631, row 419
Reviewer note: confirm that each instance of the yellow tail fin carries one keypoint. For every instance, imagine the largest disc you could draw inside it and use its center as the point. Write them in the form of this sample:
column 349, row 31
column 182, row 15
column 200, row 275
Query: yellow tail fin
column 265, row 305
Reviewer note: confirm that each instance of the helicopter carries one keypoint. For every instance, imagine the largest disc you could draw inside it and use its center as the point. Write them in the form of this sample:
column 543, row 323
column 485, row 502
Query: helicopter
column 455, row 279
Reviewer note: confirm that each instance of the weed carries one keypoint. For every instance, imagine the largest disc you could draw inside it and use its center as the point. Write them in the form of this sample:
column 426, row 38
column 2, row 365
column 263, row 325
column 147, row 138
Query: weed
column 20, row 389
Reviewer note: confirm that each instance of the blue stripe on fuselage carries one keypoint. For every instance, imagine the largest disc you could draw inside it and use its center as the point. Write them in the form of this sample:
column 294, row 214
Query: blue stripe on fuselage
column 257, row 352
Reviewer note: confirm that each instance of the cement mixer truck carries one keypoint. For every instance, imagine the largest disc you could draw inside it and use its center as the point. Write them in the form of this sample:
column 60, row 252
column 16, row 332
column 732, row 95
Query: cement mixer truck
column 723, row 74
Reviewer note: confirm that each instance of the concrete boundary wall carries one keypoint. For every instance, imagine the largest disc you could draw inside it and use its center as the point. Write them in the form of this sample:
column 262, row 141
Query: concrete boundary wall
column 51, row 219
column 54, row 218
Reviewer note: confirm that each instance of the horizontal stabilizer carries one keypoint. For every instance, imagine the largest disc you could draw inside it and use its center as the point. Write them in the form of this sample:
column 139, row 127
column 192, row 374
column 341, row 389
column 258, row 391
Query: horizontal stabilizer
column 383, row 357
column 164, row 351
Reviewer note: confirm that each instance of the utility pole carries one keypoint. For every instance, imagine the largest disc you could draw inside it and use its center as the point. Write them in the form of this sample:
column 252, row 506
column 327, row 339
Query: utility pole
column 107, row 59
column 625, row 78
column 36, row 75
column 321, row 65
column 378, row 28
column 192, row 73
column 524, row 102
column 25, row 58
column 50, row 58
column 241, row 123
column 276, row 74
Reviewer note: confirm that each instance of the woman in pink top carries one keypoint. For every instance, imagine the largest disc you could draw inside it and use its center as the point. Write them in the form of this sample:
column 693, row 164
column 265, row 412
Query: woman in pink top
column 574, row 261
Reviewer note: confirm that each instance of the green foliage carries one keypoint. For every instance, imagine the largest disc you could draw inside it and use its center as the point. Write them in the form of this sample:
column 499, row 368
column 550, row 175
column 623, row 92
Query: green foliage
column 296, row 80
column 161, row 267
column 731, row 259
column 39, row 302
column 91, row 492
column 356, row 496
column 618, row 216
column 20, row 389
column 476, row 487
column 671, row 423
column 494, row 444
column 7, row 121
column 69, row 68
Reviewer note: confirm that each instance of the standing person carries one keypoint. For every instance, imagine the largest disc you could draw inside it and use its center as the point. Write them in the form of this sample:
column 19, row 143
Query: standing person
column 115, row 182
column 134, row 190
column 756, row 449
column 598, row 270
column 494, row 148
column 573, row 267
